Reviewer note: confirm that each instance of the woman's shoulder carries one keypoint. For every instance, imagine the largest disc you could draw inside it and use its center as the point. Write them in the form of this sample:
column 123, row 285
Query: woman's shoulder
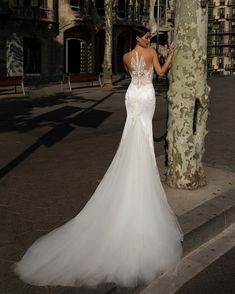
column 125, row 55
column 152, row 50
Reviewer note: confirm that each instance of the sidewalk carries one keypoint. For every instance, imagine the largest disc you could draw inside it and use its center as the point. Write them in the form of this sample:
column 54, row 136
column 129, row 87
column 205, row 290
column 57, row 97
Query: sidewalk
column 56, row 146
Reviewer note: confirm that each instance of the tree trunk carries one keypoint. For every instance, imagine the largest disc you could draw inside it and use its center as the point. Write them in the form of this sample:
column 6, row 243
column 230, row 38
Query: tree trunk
column 188, row 97
column 108, row 49
column 152, row 25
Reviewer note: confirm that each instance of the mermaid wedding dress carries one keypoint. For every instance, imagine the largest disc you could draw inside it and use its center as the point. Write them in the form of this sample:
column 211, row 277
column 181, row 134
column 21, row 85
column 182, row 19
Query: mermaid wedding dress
column 126, row 233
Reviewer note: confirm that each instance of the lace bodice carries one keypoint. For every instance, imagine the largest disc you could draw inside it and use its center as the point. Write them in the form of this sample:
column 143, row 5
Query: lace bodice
column 140, row 76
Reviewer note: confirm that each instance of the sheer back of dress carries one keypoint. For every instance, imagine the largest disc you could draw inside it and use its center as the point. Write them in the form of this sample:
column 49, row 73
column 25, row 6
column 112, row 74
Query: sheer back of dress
column 139, row 74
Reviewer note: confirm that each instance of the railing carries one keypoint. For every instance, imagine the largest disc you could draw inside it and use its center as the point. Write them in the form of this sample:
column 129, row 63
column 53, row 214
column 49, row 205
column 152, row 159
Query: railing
column 214, row 31
column 210, row 67
column 221, row 43
column 229, row 54
column 231, row 30
column 28, row 13
column 230, row 16
column 229, row 66
column 211, row 54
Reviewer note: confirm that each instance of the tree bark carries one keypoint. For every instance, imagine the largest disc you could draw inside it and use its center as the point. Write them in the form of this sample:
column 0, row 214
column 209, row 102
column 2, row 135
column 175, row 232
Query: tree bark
column 188, row 97
column 152, row 25
column 108, row 49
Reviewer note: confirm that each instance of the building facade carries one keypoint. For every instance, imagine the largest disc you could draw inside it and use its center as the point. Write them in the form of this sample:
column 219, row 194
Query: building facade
column 46, row 38
column 221, row 37
column 27, row 35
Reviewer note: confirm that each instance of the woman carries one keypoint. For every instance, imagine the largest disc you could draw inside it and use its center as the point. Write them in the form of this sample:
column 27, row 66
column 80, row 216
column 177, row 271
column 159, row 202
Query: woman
column 126, row 233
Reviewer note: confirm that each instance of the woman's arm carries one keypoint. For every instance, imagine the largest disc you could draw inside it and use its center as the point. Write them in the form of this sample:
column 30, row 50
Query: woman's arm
column 161, row 70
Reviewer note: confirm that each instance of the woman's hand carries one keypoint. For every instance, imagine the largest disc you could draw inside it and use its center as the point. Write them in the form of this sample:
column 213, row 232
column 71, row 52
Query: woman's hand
column 172, row 48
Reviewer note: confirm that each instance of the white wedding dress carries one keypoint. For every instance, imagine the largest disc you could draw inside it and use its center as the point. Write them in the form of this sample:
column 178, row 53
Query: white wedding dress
column 126, row 233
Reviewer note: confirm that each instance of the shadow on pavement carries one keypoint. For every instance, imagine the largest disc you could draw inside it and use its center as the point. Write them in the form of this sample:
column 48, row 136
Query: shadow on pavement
column 87, row 117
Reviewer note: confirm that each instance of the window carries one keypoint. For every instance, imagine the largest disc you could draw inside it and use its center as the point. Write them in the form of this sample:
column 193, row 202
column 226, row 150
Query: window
column 219, row 39
column 221, row 26
column 121, row 9
column 221, row 63
column 76, row 5
column 32, row 56
column 233, row 11
column 209, row 62
column 210, row 13
column 221, row 12
column 219, row 51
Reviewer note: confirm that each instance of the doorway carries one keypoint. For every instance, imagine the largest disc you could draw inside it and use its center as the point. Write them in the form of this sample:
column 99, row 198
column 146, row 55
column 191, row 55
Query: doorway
column 73, row 55
column 32, row 56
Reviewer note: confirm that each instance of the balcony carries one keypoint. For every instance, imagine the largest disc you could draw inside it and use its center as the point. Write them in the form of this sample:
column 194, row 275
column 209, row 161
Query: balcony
column 221, row 31
column 229, row 66
column 231, row 3
column 226, row 43
column 230, row 54
column 214, row 54
column 231, row 30
column 230, row 16
column 29, row 13
column 211, row 4
column 214, row 31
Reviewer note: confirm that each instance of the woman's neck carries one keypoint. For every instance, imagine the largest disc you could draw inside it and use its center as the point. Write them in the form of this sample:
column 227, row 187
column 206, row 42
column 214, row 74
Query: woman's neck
column 139, row 46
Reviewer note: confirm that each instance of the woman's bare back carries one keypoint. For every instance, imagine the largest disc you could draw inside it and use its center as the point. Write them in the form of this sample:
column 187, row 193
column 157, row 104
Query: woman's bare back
column 150, row 59
column 146, row 53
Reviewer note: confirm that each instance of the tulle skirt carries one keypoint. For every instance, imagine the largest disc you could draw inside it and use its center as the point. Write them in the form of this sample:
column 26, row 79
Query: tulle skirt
column 126, row 233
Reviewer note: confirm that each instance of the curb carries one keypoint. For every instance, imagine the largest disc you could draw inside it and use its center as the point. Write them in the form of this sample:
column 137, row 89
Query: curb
column 207, row 220
column 202, row 224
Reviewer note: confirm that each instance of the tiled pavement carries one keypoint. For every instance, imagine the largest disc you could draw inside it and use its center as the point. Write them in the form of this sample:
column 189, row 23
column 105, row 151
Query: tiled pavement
column 55, row 148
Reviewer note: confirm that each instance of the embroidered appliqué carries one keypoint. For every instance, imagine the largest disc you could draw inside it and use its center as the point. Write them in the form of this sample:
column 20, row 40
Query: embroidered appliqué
column 140, row 75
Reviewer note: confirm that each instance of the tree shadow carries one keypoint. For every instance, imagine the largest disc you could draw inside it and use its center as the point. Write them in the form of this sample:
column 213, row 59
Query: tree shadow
column 60, row 121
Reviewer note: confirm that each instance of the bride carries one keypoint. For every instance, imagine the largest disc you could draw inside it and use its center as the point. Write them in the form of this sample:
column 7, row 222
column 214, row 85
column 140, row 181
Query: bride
column 126, row 233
